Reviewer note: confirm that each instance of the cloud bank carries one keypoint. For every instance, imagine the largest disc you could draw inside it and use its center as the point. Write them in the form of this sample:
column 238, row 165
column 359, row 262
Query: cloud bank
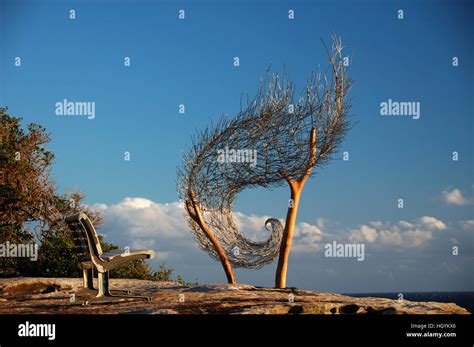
column 455, row 197
column 142, row 223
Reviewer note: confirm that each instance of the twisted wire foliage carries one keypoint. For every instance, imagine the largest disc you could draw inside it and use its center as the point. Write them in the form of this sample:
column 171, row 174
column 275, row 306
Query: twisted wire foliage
column 277, row 125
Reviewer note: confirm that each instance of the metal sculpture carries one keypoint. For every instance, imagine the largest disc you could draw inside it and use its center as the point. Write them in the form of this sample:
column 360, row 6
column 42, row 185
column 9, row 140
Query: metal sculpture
column 290, row 136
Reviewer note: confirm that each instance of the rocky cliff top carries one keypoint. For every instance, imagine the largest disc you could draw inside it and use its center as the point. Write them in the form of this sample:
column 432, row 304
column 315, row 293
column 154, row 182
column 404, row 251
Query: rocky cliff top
column 53, row 296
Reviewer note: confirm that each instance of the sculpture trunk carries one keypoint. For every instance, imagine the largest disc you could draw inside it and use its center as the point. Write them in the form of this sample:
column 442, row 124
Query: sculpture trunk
column 285, row 247
column 296, row 186
column 222, row 256
column 197, row 216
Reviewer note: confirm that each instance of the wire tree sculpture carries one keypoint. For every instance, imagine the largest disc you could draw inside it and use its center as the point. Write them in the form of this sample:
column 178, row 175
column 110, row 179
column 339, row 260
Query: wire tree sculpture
column 291, row 137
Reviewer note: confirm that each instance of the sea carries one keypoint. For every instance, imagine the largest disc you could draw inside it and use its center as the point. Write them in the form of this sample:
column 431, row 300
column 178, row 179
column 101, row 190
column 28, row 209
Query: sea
column 463, row 299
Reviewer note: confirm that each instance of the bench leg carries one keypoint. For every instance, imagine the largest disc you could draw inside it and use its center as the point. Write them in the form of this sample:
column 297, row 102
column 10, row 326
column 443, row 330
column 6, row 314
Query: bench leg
column 103, row 279
column 105, row 295
column 88, row 281
column 88, row 278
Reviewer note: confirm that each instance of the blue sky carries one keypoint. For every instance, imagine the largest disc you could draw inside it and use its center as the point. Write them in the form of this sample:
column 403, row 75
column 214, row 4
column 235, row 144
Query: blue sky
column 190, row 62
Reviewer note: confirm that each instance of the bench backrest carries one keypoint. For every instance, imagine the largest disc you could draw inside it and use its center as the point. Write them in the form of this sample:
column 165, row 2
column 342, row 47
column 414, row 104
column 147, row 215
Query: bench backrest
column 85, row 237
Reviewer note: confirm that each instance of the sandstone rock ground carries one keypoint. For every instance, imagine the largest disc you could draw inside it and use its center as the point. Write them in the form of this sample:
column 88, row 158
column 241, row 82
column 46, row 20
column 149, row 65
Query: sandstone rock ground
column 52, row 296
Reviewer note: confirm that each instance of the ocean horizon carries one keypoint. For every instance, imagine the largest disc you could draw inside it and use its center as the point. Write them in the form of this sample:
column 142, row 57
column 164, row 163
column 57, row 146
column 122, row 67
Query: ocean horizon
column 463, row 299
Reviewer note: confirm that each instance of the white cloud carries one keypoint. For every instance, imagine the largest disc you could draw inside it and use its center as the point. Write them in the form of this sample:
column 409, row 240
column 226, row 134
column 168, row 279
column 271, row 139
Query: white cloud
column 364, row 234
column 307, row 238
column 376, row 224
column 455, row 197
column 144, row 224
column 406, row 224
column 321, row 223
column 137, row 203
column 252, row 226
column 141, row 218
column 417, row 238
column 101, row 207
column 467, row 225
column 433, row 223
column 388, row 234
